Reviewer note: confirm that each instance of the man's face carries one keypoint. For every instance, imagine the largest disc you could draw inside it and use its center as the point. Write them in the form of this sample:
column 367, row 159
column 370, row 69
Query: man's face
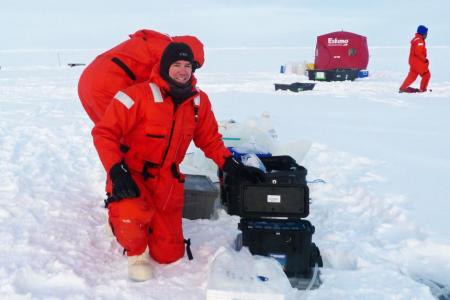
column 180, row 71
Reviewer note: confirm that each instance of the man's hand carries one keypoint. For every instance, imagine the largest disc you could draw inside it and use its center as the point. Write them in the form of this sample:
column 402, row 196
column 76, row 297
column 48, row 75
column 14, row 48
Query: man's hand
column 235, row 168
column 123, row 185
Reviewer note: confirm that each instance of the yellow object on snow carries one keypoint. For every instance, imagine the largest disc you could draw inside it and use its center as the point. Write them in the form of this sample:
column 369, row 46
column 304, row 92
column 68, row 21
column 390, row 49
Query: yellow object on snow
column 309, row 66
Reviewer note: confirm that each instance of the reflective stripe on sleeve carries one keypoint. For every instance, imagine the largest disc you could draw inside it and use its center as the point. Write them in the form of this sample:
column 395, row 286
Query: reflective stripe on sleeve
column 124, row 99
column 156, row 92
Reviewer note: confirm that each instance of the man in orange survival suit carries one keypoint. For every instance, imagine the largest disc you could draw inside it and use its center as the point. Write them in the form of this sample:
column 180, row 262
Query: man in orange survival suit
column 124, row 65
column 141, row 140
column 418, row 63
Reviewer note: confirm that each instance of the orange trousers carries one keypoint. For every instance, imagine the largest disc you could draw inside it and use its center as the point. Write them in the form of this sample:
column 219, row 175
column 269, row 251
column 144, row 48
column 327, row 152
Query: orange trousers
column 136, row 225
column 412, row 76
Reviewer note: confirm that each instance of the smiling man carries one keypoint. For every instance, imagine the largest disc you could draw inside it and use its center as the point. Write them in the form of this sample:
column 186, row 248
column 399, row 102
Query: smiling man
column 141, row 140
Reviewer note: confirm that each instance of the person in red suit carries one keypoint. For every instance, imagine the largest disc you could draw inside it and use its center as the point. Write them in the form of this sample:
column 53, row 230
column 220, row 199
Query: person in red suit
column 126, row 64
column 418, row 63
column 141, row 141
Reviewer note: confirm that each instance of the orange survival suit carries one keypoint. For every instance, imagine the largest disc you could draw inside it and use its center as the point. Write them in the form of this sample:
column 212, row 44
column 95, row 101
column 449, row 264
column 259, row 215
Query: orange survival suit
column 126, row 64
column 418, row 63
column 154, row 135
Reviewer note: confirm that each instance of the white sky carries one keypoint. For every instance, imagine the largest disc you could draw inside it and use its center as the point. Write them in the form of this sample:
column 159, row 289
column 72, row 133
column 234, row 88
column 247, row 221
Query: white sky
column 101, row 24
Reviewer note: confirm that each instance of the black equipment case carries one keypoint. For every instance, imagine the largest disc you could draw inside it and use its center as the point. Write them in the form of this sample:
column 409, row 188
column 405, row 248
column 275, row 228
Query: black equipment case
column 271, row 217
column 333, row 75
column 283, row 194
column 287, row 241
column 200, row 196
column 294, row 87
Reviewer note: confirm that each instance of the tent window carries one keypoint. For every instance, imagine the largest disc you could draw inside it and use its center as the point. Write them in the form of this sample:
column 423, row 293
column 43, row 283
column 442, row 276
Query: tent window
column 351, row 51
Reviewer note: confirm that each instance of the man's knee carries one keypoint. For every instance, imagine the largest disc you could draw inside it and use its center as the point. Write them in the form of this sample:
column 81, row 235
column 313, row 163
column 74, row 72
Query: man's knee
column 166, row 242
column 129, row 220
column 131, row 235
column 166, row 251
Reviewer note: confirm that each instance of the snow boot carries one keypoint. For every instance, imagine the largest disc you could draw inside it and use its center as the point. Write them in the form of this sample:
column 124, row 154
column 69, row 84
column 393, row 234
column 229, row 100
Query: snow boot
column 409, row 90
column 139, row 268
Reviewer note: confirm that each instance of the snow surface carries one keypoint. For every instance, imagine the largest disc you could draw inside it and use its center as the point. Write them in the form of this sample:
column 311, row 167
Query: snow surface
column 381, row 218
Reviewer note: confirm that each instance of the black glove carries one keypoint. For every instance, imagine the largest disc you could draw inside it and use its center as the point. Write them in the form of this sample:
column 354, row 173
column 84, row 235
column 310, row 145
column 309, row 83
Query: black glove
column 235, row 168
column 123, row 186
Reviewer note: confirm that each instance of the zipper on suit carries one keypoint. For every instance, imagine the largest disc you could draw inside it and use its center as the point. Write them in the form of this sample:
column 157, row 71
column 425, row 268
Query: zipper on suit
column 175, row 107
column 169, row 195
column 170, row 135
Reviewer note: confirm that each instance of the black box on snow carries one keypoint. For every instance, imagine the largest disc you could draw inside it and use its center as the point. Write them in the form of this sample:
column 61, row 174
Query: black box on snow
column 333, row 75
column 294, row 87
column 287, row 241
column 283, row 194
column 200, row 195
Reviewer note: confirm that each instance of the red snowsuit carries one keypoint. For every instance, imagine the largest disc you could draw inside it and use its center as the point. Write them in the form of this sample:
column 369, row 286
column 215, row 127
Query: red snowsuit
column 154, row 136
column 126, row 64
column 418, row 63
